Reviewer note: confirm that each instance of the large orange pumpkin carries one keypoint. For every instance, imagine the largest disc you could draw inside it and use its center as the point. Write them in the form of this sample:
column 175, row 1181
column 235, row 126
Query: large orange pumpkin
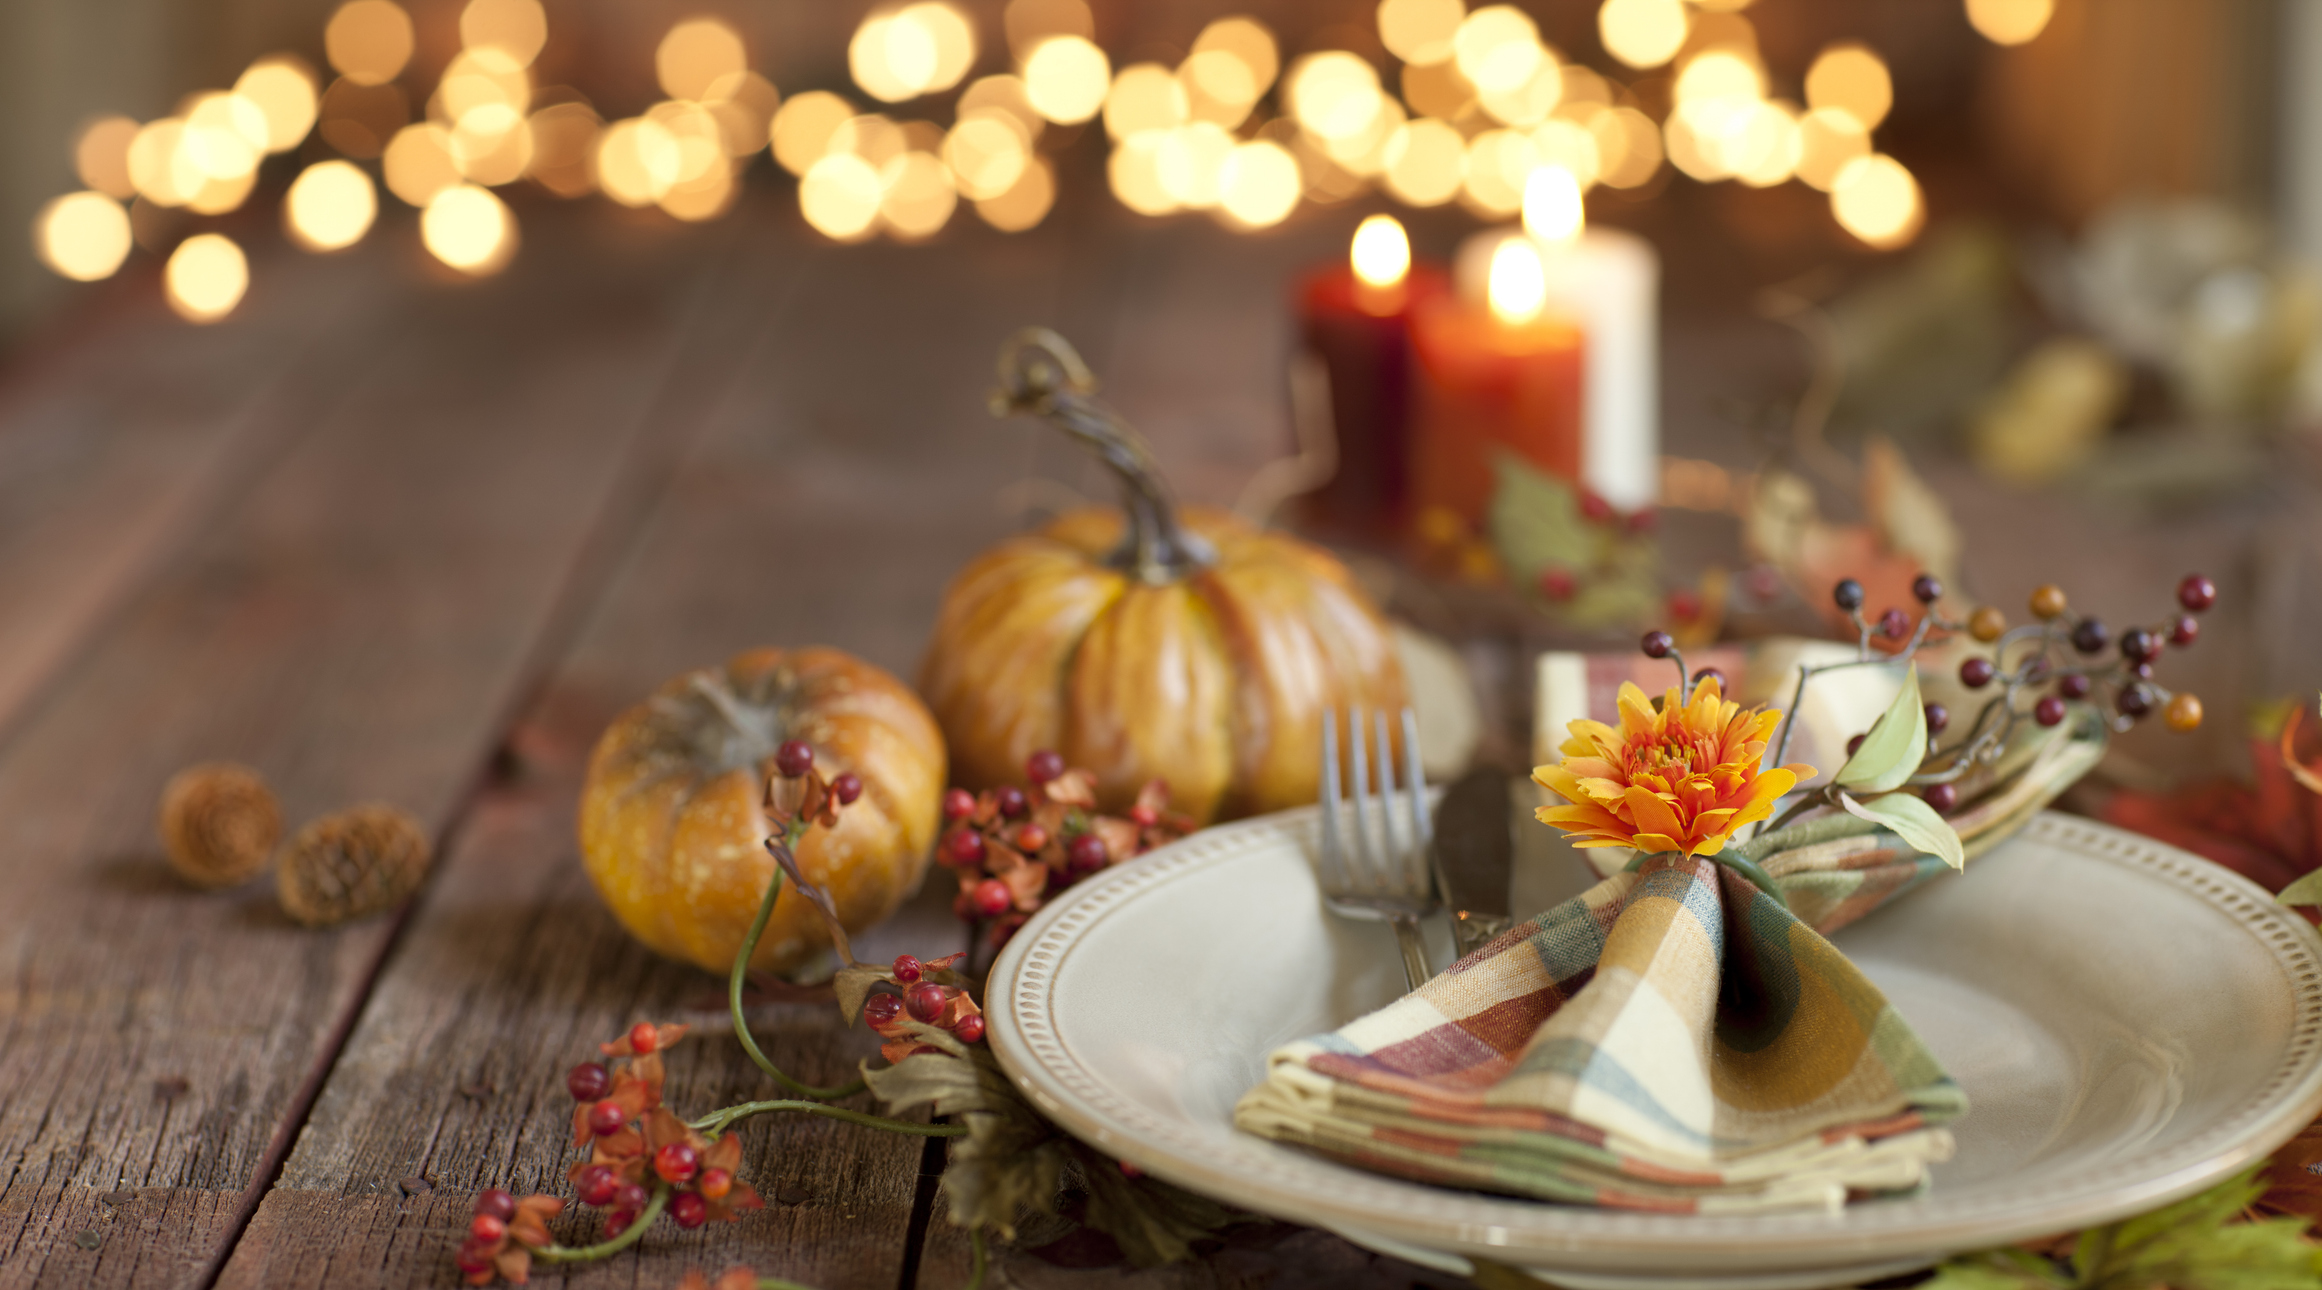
column 671, row 827
column 1201, row 651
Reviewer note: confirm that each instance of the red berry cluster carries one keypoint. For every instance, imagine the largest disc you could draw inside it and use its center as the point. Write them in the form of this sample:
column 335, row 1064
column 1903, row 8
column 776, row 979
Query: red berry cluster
column 1012, row 847
column 919, row 995
column 503, row 1234
column 2129, row 680
column 634, row 1141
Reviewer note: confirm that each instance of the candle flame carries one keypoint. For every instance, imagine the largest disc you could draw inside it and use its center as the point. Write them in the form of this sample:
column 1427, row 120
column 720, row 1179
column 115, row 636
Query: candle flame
column 1381, row 253
column 1519, row 283
column 1553, row 211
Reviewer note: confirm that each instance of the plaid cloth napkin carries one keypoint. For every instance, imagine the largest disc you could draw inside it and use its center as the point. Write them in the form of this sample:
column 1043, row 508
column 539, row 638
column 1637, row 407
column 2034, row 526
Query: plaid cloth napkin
column 1672, row 1039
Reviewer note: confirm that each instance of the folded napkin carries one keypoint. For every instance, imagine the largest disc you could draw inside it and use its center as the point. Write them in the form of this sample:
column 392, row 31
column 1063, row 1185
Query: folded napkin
column 1672, row 1039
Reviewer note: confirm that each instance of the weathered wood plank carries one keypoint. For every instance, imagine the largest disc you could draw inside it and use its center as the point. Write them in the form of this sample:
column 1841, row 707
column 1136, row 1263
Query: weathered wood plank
column 356, row 626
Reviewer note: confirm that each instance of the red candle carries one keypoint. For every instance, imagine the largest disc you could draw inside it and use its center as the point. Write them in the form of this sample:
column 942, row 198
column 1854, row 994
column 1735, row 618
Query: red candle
column 1356, row 318
column 1504, row 379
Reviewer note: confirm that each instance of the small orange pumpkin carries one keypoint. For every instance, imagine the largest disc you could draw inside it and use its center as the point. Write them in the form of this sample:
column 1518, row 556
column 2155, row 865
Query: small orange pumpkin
column 671, row 825
column 1201, row 652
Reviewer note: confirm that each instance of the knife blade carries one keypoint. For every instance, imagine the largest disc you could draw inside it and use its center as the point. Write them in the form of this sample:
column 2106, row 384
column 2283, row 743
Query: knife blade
column 1473, row 856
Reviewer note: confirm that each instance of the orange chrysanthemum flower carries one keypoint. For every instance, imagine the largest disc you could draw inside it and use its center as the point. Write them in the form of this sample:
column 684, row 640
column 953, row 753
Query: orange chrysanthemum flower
column 1680, row 779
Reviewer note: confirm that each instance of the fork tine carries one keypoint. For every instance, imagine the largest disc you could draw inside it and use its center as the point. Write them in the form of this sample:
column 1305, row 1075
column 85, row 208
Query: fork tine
column 1394, row 835
column 1369, row 862
column 1333, row 840
column 1417, row 778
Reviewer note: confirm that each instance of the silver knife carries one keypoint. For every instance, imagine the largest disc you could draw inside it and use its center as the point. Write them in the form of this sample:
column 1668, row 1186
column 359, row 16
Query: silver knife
column 1474, row 856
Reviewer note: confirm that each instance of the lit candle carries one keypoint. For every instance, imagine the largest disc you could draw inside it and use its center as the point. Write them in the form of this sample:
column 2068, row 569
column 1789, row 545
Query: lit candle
column 1505, row 378
column 1354, row 320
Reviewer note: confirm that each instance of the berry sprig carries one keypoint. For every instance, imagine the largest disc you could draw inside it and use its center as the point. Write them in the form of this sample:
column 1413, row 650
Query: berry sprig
column 1015, row 847
column 504, row 1235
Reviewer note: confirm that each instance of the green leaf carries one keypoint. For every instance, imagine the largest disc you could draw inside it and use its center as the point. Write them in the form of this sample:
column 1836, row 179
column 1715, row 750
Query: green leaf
column 1914, row 822
column 853, row 985
column 1535, row 525
column 2199, row 1243
column 2305, row 891
column 1895, row 746
column 1997, row 1270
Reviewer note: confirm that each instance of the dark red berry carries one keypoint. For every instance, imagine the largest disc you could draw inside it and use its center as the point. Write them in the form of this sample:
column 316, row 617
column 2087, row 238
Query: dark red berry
column 846, row 788
column 1854, row 745
column 617, row 1221
column 689, row 1210
column 1558, row 584
column 2185, row 631
column 677, row 1162
column 2139, row 646
column 2048, row 711
column 597, row 1184
column 925, row 1000
column 1684, row 604
column 906, row 968
column 1927, row 588
column 642, row 1037
column 794, row 758
column 2091, row 636
column 1144, row 817
column 1847, row 595
column 1594, row 508
column 2134, row 701
column 970, row 1028
column 1013, row 803
column 1976, row 673
column 1087, row 853
column 966, row 847
column 588, row 1081
column 1938, row 717
column 1043, row 766
column 1710, row 674
column 2073, row 685
column 1894, row 624
column 880, row 1009
column 1657, row 644
column 629, row 1196
column 2142, row 671
column 496, row 1202
column 1941, row 796
column 475, row 1256
column 485, row 1227
column 958, row 804
column 992, row 898
column 607, row 1118
column 2196, row 592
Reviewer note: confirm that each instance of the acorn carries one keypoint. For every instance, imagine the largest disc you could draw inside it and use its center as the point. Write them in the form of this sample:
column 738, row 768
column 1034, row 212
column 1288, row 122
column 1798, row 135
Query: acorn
column 219, row 823
column 352, row 864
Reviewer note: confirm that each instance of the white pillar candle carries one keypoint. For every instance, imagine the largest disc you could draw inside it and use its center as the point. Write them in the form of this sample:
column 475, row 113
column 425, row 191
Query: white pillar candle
column 1609, row 282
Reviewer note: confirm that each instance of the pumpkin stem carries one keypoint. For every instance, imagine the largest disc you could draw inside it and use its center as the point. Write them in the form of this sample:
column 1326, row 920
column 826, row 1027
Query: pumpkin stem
column 1041, row 375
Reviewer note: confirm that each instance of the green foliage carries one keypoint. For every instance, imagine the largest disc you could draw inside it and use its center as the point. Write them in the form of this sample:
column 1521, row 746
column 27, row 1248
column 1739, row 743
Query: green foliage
column 1536, row 525
column 1895, row 746
column 1914, row 822
column 2305, row 891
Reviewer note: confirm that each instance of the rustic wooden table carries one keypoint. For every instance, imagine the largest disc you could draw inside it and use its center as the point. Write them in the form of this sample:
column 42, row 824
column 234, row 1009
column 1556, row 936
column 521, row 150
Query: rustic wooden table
column 389, row 536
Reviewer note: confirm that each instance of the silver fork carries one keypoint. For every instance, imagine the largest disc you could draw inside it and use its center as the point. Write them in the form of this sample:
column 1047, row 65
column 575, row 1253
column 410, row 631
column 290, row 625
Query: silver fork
column 1385, row 873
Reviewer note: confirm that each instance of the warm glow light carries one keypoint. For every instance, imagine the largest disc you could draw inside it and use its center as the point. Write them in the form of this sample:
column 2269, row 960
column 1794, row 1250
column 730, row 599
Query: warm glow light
column 1028, row 22
column 1498, row 162
column 1498, row 49
column 986, row 153
column 158, row 168
column 1721, row 77
column 1245, row 41
column 1191, row 161
column 1258, row 185
column 700, row 139
column 1426, row 162
column 1566, row 143
column 1553, row 210
column 1438, row 90
column 517, row 28
column 224, row 135
column 1364, row 153
column 358, row 120
column 1145, row 96
column 872, row 137
column 217, row 196
column 918, row 197
column 1530, row 103
column 954, row 37
column 1334, row 94
column 840, row 195
column 803, row 127
column 695, row 55
column 703, row 197
column 330, row 205
column 1629, row 146
column 492, row 145
column 1518, row 287
column 482, row 78
column 919, row 49
column 83, row 236
column 1066, row 78
column 1828, row 138
column 744, row 104
column 206, row 277
column 1853, row 80
column 1420, row 31
column 1767, row 151
column 638, row 161
column 1133, row 171
column 368, row 41
column 1877, row 200
column 282, row 88
column 564, row 146
column 2010, row 22
column 1642, row 33
column 1218, row 87
column 418, row 162
column 101, row 156
column 1025, row 204
column 467, row 228
column 1381, row 251
column 1006, row 95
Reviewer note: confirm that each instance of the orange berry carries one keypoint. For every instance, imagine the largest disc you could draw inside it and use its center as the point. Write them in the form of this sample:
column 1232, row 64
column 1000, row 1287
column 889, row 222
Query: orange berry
column 2184, row 713
column 2048, row 601
column 1987, row 624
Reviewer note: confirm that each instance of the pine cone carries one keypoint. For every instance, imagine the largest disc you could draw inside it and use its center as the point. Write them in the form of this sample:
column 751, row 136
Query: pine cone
column 219, row 823
column 357, row 862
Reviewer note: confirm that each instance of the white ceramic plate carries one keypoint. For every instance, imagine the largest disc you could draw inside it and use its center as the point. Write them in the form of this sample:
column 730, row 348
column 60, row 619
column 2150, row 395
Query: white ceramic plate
column 2131, row 1023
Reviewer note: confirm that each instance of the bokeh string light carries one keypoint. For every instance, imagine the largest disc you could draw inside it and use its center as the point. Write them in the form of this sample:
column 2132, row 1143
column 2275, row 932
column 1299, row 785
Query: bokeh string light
column 1473, row 107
